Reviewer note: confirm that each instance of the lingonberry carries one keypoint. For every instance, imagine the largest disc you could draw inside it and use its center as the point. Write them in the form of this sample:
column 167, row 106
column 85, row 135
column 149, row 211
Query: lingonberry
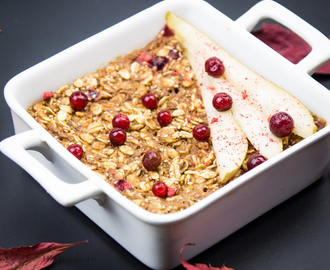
column 255, row 160
column 78, row 100
column 151, row 160
column 144, row 57
column 168, row 32
column 201, row 133
column 222, row 102
column 117, row 136
column 159, row 189
column 159, row 62
column 76, row 150
column 149, row 101
column 121, row 121
column 174, row 54
column 214, row 67
column 121, row 185
column 164, row 118
column 281, row 124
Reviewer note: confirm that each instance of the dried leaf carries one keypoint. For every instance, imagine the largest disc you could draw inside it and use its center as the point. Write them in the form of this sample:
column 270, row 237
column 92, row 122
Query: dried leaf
column 33, row 257
column 199, row 266
column 287, row 43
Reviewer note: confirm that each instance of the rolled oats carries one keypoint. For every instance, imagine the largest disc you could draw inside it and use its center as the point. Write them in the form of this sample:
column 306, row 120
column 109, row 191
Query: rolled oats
column 188, row 167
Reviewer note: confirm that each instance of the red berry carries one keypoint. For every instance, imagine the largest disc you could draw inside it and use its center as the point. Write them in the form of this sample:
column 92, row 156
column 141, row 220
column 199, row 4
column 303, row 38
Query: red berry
column 167, row 31
column 151, row 160
column 281, row 124
column 76, row 150
column 159, row 62
column 159, row 189
column 117, row 136
column 255, row 160
column 121, row 185
column 222, row 102
column 144, row 57
column 78, row 100
column 164, row 118
column 201, row 133
column 120, row 121
column 149, row 101
column 214, row 67
column 174, row 54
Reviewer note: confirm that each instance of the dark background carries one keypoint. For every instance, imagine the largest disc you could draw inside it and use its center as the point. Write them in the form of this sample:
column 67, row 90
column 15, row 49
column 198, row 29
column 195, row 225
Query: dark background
column 294, row 235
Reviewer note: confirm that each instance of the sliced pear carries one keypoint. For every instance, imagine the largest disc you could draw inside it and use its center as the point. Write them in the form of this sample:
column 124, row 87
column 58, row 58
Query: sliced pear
column 250, row 117
column 229, row 142
column 269, row 97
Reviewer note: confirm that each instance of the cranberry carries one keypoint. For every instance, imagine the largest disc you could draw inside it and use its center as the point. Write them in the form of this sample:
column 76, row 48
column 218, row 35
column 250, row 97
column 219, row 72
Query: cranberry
column 201, row 133
column 222, row 102
column 121, row 185
column 159, row 62
column 93, row 95
column 281, row 124
column 120, row 121
column 159, row 189
column 214, row 67
column 76, row 150
column 144, row 57
column 117, row 136
column 255, row 160
column 164, row 118
column 174, row 54
column 78, row 100
column 47, row 95
column 168, row 32
column 151, row 160
column 149, row 101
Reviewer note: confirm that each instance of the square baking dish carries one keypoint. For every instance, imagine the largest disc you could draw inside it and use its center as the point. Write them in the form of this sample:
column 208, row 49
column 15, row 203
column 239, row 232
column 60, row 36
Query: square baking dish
column 156, row 239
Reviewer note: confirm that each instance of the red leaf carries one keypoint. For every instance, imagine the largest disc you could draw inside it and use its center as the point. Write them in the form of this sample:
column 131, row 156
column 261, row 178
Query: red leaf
column 287, row 43
column 33, row 257
column 198, row 266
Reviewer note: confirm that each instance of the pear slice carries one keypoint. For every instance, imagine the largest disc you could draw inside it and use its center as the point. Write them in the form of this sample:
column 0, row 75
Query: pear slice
column 250, row 118
column 269, row 97
column 229, row 142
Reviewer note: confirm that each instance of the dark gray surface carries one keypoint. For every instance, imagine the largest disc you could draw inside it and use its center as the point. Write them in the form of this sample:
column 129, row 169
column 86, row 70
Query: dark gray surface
column 294, row 235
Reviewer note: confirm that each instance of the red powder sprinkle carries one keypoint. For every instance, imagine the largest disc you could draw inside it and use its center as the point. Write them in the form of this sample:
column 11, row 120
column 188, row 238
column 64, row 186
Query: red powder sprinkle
column 214, row 120
column 244, row 95
column 175, row 73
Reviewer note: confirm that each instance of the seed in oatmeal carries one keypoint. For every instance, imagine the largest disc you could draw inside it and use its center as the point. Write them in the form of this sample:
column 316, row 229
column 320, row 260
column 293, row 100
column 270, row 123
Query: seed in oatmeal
column 151, row 160
column 201, row 133
column 164, row 118
column 255, row 160
column 121, row 121
column 159, row 189
column 149, row 101
column 117, row 136
column 78, row 101
column 76, row 150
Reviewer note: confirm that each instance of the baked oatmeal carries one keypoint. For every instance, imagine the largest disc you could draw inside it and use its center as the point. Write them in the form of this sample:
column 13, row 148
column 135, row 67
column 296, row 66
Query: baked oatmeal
column 149, row 102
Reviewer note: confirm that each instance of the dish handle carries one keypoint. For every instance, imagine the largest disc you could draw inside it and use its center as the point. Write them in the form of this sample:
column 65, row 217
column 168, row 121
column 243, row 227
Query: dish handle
column 268, row 9
column 66, row 194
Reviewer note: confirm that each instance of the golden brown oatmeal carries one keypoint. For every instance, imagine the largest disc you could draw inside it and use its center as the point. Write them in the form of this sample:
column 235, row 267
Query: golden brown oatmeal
column 188, row 167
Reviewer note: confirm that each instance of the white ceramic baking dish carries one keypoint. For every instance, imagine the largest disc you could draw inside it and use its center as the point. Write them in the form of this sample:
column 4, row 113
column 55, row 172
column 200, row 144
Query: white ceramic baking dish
column 156, row 239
